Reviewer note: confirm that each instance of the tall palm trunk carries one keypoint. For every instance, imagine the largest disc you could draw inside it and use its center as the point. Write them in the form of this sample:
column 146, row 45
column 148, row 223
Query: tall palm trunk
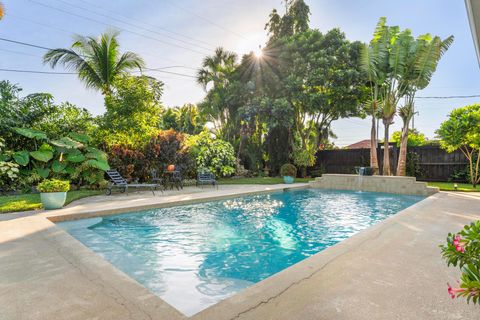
column 373, row 147
column 386, row 152
column 402, row 157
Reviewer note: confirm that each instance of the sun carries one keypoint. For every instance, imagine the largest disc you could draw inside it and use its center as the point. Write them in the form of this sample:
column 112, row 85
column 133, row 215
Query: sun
column 258, row 52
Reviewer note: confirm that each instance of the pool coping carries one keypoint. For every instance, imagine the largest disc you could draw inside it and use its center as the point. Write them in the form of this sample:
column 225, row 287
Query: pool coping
column 240, row 304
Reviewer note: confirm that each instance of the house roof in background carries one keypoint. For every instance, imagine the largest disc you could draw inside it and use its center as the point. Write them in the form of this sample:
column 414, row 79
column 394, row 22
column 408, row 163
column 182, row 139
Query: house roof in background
column 364, row 144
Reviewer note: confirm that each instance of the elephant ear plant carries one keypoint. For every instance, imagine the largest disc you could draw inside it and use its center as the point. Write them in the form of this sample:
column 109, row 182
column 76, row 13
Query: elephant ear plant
column 69, row 157
column 463, row 250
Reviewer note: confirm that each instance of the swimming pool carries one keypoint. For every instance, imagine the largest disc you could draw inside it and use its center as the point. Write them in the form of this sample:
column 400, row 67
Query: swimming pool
column 193, row 256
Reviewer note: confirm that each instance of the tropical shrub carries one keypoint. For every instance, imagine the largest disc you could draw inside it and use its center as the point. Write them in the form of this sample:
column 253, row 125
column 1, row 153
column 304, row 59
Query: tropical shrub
column 130, row 163
column 168, row 147
column 53, row 185
column 415, row 138
column 463, row 250
column 216, row 155
column 288, row 170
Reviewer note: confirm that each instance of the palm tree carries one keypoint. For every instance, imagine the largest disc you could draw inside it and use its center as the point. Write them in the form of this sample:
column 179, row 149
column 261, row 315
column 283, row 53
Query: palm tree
column 216, row 71
column 425, row 54
column 374, row 65
column 98, row 61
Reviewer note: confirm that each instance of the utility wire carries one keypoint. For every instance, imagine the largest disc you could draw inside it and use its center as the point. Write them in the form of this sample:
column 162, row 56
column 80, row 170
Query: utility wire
column 130, row 24
column 206, row 20
column 74, row 73
column 145, row 23
column 25, row 44
column 69, row 32
column 450, row 97
column 116, row 27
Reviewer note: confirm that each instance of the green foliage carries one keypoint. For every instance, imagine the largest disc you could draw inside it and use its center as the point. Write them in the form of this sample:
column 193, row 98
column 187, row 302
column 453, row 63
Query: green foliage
column 185, row 119
column 53, row 185
column 462, row 131
column 60, row 158
column 288, row 170
column 38, row 113
column 413, row 165
column 415, row 138
column 463, row 250
column 134, row 100
column 26, row 202
column 215, row 155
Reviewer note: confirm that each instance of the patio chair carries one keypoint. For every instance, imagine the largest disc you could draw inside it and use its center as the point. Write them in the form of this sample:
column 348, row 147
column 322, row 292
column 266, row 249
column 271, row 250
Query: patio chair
column 206, row 177
column 117, row 181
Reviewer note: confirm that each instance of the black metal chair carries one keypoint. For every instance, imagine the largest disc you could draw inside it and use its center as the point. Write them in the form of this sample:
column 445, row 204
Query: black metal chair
column 117, row 181
column 206, row 178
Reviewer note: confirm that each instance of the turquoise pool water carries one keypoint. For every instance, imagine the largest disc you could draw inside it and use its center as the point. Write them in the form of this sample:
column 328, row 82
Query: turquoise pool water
column 193, row 256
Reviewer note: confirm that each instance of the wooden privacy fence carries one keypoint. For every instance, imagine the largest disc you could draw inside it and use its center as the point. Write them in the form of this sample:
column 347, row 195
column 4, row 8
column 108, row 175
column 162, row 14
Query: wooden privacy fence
column 434, row 163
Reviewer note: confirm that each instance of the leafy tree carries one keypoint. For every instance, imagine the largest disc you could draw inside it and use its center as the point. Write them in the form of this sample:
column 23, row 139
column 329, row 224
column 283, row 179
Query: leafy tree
column 295, row 20
column 133, row 111
column 415, row 138
column 66, row 118
column 98, row 61
column 462, row 131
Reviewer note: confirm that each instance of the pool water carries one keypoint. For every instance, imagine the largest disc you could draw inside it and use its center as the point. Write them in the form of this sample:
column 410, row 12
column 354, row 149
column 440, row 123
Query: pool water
column 193, row 256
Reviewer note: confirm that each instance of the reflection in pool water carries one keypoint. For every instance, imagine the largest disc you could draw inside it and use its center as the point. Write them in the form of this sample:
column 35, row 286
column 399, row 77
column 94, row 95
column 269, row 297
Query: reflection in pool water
column 196, row 255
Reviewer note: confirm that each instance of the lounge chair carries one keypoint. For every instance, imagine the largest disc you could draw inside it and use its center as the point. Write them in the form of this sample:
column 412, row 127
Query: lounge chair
column 117, row 181
column 206, row 178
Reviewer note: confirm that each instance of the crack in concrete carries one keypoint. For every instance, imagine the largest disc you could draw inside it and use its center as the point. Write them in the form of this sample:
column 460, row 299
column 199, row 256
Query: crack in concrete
column 263, row 302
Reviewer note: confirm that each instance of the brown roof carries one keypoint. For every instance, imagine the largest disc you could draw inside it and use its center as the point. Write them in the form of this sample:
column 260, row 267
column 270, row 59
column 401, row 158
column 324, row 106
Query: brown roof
column 364, row 144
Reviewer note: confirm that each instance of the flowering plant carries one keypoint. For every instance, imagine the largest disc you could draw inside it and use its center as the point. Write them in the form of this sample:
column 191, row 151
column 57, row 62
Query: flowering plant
column 463, row 250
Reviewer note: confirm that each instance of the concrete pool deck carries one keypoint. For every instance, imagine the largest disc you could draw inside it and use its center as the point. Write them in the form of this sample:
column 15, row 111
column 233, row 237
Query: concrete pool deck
column 392, row 270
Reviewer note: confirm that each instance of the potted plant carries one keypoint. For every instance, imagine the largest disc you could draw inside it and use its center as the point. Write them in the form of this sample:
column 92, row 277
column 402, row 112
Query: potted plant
column 53, row 193
column 288, row 172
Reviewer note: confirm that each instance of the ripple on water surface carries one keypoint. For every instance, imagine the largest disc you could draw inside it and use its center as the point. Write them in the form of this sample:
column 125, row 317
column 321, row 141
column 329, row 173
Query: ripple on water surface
column 196, row 255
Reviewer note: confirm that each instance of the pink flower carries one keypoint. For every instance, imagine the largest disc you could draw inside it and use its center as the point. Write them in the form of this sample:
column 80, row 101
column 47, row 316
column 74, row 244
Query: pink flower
column 453, row 291
column 459, row 246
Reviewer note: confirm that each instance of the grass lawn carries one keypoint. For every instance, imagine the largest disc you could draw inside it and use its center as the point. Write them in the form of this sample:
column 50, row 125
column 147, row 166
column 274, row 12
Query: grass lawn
column 260, row 180
column 448, row 186
column 26, row 202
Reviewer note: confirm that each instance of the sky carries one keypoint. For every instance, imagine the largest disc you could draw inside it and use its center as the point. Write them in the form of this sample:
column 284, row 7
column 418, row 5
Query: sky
column 177, row 35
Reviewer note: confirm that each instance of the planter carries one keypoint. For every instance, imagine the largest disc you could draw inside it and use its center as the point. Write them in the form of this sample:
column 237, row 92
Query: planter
column 53, row 200
column 288, row 179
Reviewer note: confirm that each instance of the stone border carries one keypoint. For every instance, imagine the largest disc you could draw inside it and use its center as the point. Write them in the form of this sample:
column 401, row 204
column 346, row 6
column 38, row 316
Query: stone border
column 388, row 184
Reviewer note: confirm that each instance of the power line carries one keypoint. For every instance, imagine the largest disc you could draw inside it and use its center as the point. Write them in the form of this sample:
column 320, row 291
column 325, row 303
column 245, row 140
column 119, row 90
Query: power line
column 69, row 32
column 145, row 23
column 130, row 24
column 38, row 72
column 25, row 44
column 450, row 97
column 75, row 73
column 160, row 69
column 116, row 27
column 206, row 20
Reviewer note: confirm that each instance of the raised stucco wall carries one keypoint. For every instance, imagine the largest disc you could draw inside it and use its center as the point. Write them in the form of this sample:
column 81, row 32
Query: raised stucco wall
column 389, row 184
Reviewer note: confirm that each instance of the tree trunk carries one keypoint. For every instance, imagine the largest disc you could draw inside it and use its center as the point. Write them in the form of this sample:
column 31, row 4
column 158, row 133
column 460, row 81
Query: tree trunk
column 373, row 147
column 402, row 158
column 386, row 152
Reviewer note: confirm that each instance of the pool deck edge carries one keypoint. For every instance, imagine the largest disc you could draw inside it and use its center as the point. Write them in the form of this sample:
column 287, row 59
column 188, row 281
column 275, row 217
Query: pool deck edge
column 390, row 269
